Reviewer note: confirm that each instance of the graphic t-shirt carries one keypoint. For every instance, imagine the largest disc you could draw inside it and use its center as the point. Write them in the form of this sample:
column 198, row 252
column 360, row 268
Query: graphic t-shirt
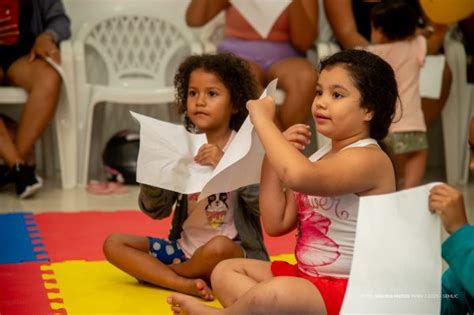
column 208, row 218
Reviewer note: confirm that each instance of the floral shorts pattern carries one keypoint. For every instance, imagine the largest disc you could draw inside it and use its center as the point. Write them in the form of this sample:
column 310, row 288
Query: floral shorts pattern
column 406, row 142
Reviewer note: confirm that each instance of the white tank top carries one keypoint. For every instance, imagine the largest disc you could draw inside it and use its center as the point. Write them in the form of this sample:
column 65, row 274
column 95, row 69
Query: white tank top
column 326, row 228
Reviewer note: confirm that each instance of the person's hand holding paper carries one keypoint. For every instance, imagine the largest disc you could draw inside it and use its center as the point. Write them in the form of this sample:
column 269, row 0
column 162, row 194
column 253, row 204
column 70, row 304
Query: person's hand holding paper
column 167, row 157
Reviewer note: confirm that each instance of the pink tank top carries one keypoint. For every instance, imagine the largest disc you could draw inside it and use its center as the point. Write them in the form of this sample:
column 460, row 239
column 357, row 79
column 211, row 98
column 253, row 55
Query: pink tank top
column 237, row 26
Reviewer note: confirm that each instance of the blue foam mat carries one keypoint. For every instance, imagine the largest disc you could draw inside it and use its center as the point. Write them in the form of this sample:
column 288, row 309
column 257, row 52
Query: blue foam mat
column 17, row 231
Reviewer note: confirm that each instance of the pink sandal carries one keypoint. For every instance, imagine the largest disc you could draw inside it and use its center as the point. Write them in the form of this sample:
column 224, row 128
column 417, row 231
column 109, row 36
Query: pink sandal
column 106, row 188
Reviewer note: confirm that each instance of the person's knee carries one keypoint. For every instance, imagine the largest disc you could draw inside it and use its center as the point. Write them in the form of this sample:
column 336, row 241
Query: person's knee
column 47, row 78
column 303, row 80
column 111, row 243
column 222, row 270
column 220, row 247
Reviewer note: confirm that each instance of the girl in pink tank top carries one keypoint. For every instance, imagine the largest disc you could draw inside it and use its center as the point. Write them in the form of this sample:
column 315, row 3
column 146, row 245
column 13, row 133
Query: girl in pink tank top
column 353, row 106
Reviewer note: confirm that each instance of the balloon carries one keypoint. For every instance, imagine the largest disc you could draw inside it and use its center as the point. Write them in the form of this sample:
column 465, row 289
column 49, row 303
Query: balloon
column 447, row 11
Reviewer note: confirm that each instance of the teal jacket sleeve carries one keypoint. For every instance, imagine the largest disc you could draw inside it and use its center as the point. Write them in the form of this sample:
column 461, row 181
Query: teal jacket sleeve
column 458, row 252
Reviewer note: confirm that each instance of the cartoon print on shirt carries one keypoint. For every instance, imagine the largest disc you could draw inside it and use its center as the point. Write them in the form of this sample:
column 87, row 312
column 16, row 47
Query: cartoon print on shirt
column 216, row 209
column 313, row 229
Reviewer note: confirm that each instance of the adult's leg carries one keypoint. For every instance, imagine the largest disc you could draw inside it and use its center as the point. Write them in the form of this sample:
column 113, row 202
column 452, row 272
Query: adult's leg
column 130, row 254
column 258, row 73
column 280, row 295
column 298, row 78
column 232, row 278
column 43, row 85
column 414, row 170
column 432, row 107
column 399, row 161
column 8, row 150
column 206, row 257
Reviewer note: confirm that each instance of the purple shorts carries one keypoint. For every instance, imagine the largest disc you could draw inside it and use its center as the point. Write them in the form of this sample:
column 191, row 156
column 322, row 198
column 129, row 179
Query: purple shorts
column 262, row 52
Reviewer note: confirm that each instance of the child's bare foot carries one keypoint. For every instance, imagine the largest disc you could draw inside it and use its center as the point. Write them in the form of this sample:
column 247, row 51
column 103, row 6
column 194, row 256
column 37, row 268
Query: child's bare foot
column 195, row 287
column 204, row 291
column 187, row 305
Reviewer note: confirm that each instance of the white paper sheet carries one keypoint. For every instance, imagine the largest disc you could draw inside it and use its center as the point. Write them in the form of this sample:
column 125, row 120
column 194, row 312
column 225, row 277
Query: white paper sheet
column 261, row 14
column 166, row 157
column 431, row 76
column 396, row 268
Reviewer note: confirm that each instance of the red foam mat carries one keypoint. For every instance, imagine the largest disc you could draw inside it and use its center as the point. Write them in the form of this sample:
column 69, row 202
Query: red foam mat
column 22, row 291
column 80, row 235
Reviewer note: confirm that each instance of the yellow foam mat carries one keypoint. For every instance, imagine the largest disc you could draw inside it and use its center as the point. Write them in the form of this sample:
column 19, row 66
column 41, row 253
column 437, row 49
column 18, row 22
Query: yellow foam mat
column 97, row 287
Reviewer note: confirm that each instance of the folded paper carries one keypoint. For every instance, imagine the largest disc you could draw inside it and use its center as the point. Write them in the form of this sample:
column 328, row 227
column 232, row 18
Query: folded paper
column 166, row 157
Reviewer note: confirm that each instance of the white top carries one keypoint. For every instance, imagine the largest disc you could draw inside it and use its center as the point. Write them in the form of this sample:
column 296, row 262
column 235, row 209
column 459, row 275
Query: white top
column 326, row 229
column 208, row 218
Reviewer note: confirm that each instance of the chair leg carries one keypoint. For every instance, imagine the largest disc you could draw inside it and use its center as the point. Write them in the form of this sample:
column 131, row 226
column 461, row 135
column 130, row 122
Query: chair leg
column 48, row 153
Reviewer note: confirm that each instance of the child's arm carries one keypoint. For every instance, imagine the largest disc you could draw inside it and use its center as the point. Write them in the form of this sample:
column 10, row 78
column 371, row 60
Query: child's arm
column 156, row 202
column 199, row 12
column 278, row 207
column 365, row 170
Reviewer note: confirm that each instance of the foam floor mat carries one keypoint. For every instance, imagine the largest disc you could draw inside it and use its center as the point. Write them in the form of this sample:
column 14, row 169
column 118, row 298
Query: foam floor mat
column 20, row 239
column 52, row 263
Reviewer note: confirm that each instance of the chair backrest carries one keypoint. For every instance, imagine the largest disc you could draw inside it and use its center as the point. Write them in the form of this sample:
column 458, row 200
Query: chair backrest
column 136, row 50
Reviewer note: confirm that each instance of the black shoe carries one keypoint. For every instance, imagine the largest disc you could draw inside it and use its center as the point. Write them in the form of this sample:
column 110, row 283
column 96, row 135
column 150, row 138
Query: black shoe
column 5, row 176
column 26, row 181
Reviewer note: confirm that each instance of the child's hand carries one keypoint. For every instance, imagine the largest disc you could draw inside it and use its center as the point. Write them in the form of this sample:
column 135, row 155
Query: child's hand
column 208, row 154
column 449, row 204
column 298, row 135
column 262, row 108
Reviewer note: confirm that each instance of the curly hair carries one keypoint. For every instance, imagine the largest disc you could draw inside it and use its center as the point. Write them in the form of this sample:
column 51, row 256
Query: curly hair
column 375, row 80
column 233, row 72
column 396, row 18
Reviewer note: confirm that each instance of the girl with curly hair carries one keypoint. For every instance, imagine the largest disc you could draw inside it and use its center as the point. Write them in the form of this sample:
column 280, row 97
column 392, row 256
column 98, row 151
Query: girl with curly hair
column 353, row 106
column 211, row 92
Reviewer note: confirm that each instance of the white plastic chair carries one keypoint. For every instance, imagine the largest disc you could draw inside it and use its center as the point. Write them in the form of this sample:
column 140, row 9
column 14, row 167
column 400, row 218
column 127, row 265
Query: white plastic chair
column 137, row 50
column 64, row 120
column 457, row 112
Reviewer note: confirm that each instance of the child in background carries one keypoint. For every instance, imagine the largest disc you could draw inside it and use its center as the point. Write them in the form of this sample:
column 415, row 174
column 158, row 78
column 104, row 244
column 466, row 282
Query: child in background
column 212, row 91
column 354, row 106
column 393, row 33
column 457, row 251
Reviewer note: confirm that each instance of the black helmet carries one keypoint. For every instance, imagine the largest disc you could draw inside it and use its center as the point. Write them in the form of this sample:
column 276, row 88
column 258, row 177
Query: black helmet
column 120, row 156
